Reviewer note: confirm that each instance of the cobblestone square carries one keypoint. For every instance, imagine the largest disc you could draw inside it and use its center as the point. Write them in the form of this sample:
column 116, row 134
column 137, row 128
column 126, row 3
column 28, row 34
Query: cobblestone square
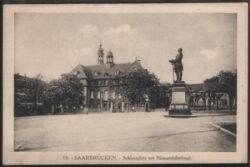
column 123, row 132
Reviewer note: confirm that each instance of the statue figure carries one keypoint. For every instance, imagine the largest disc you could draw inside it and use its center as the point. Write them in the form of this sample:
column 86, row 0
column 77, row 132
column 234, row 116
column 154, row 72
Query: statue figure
column 177, row 65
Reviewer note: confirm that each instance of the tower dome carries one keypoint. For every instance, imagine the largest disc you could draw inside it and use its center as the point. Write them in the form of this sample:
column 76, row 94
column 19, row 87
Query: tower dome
column 110, row 58
column 109, row 54
column 100, row 49
column 100, row 54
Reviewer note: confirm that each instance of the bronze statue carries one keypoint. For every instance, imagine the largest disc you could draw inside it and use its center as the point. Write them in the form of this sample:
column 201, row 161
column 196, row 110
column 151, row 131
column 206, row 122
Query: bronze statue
column 177, row 65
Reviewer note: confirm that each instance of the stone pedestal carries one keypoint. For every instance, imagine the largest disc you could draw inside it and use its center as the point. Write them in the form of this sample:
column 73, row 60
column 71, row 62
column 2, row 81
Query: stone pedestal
column 178, row 105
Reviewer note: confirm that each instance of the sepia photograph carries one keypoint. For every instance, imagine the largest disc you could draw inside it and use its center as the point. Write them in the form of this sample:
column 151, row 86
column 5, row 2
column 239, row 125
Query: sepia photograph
column 125, row 83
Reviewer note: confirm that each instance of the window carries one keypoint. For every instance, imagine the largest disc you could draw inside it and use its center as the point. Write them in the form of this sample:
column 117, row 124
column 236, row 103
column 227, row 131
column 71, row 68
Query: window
column 106, row 95
column 98, row 95
column 117, row 82
column 85, row 91
column 107, row 82
column 83, row 81
column 101, row 82
column 96, row 73
column 92, row 95
column 94, row 82
column 76, row 72
column 106, row 74
column 117, row 72
column 113, row 95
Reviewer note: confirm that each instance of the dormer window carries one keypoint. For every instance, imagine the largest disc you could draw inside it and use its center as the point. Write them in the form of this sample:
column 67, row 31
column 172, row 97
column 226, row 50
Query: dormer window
column 106, row 74
column 76, row 72
column 101, row 83
column 96, row 73
column 117, row 72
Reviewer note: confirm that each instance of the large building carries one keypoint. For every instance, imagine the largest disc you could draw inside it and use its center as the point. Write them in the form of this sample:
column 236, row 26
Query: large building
column 101, row 82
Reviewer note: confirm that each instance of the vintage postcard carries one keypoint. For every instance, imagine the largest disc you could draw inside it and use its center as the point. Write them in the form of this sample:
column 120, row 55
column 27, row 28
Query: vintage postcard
column 125, row 83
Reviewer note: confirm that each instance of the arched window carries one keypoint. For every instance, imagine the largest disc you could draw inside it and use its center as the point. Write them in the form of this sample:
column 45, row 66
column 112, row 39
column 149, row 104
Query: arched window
column 106, row 95
column 113, row 95
column 92, row 95
column 98, row 95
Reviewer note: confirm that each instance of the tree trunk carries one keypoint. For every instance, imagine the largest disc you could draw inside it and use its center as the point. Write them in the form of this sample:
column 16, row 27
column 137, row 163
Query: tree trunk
column 209, row 104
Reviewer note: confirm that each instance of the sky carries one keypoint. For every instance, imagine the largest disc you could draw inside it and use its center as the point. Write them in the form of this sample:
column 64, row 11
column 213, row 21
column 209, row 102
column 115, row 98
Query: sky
column 52, row 44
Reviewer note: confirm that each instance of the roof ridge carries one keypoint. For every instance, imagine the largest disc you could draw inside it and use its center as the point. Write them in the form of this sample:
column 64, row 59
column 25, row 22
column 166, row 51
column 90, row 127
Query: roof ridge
column 105, row 64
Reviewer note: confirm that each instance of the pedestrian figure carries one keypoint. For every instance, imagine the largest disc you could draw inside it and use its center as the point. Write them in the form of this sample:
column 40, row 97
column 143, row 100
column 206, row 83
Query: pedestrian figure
column 61, row 107
column 133, row 108
column 52, row 109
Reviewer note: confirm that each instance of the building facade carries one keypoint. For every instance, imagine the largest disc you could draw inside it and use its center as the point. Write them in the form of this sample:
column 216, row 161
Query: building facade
column 102, row 82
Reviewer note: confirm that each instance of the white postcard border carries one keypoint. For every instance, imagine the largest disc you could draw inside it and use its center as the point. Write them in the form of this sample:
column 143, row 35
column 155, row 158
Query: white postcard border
column 11, row 157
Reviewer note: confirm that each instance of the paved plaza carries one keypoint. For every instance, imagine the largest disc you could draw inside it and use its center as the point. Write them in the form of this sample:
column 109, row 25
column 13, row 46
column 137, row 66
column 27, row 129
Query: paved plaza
column 123, row 132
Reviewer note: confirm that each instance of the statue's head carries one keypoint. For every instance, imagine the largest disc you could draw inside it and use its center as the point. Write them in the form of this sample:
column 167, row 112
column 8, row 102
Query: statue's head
column 180, row 50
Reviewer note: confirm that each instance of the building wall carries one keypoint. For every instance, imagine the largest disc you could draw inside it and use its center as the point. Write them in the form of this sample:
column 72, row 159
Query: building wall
column 105, row 94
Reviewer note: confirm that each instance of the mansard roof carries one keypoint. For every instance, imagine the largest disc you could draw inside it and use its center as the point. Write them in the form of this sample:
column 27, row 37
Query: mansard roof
column 103, row 71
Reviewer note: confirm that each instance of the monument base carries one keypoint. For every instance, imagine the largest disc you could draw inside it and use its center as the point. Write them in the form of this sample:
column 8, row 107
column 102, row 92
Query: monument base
column 178, row 104
column 180, row 115
column 181, row 109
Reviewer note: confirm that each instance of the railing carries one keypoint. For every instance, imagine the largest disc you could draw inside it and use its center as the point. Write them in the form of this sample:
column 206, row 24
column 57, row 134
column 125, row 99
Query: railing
column 210, row 108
